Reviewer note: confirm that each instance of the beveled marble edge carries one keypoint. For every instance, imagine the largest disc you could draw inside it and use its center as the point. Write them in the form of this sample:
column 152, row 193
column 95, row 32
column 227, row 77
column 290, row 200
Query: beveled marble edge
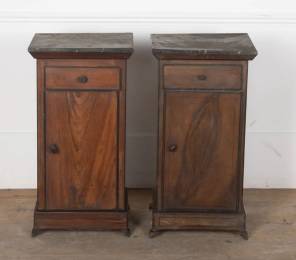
column 175, row 54
column 124, row 48
column 171, row 52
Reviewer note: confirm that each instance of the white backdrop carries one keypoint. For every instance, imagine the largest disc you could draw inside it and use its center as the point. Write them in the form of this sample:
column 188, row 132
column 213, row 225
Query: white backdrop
column 271, row 114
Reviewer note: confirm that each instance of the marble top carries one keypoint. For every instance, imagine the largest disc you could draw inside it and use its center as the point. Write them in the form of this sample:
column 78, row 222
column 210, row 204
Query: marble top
column 104, row 43
column 209, row 46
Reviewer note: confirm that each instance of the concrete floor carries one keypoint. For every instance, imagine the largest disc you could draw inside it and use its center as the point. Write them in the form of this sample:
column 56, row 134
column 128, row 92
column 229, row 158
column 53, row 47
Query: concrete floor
column 271, row 225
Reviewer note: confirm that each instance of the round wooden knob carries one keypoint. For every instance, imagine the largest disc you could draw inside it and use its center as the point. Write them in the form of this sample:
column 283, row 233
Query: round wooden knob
column 172, row 147
column 53, row 148
column 83, row 79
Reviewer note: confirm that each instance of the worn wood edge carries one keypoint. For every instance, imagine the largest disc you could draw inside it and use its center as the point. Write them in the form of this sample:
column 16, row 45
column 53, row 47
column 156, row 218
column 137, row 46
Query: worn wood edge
column 80, row 220
column 242, row 136
column 233, row 222
column 118, row 63
column 158, row 191
column 122, row 195
column 41, row 177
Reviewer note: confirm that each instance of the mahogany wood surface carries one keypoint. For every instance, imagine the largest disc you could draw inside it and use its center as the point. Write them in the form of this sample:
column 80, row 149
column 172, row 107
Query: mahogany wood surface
column 82, row 174
column 82, row 220
column 41, row 199
column 201, row 132
column 200, row 156
column 203, row 76
column 81, row 136
column 200, row 221
column 202, row 172
column 81, row 140
column 82, row 78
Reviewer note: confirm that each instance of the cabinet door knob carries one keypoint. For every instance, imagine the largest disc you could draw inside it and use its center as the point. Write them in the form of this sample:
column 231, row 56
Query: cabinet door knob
column 53, row 148
column 83, row 79
column 202, row 77
column 172, row 147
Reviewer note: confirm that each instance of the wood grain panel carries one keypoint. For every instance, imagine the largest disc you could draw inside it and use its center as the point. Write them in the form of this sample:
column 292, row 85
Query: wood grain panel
column 82, row 174
column 95, row 78
column 203, row 76
column 82, row 220
column 200, row 221
column 202, row 172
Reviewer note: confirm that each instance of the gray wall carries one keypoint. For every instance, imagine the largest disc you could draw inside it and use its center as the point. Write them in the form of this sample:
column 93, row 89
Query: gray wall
column 142, row 89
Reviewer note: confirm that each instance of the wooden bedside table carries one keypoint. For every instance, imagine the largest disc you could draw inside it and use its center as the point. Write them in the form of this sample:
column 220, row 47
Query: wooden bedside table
column 81, row 92
column 201, row 138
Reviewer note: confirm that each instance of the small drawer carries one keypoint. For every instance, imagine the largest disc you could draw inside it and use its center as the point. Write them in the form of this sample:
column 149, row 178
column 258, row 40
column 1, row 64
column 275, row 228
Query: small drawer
column 82, row 78
column 203, row 76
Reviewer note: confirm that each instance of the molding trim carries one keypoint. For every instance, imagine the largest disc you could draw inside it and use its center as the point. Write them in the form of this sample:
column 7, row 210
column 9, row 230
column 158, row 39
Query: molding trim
column 152, row 135
column 236, row 16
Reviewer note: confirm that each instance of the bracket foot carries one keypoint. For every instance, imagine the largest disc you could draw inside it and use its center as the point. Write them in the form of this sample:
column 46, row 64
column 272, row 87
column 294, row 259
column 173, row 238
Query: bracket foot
column 244, row 234
column 36, row 232
column 127, row 232
column 153, row 233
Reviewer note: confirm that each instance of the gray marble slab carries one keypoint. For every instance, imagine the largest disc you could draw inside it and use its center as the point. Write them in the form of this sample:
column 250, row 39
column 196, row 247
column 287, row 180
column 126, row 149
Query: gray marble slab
column 82, row 43
column 238, row 46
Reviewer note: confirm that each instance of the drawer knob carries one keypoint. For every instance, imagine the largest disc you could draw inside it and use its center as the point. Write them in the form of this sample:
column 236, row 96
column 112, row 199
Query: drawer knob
column 202, row 77
column 172, row 147
column 53, row 148
column 82, row 79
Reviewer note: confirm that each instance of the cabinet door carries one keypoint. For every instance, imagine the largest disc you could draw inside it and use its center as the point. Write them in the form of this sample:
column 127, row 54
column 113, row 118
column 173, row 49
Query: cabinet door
column 201, row 151
column 81, row 150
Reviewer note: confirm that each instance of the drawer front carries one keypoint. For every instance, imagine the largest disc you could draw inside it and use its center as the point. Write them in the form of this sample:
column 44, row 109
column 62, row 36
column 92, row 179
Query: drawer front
column 82, row 78
column 203, row 76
